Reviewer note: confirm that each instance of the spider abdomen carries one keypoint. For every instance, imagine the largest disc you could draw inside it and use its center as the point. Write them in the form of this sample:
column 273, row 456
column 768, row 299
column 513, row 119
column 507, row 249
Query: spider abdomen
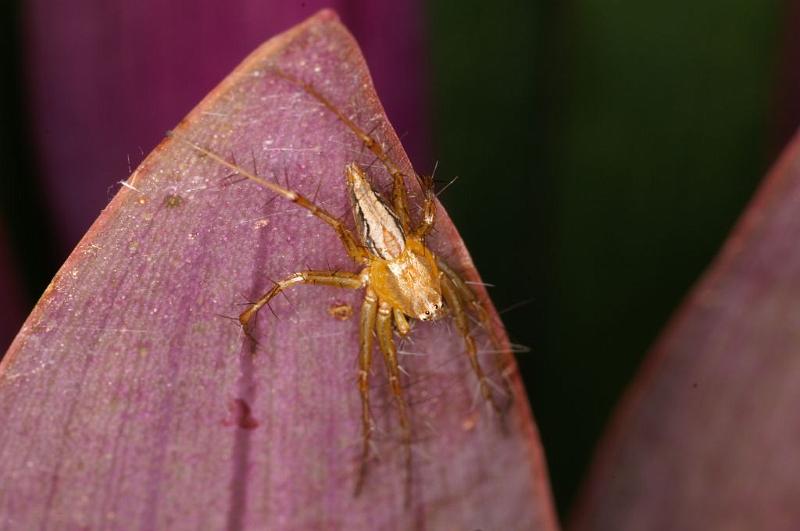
column 379, row 228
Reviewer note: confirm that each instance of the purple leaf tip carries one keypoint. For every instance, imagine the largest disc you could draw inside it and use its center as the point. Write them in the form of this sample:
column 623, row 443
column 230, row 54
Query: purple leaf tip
column 132, row 399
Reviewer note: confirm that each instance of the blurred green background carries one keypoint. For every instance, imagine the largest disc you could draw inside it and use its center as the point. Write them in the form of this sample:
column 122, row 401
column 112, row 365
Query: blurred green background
column 604, row 149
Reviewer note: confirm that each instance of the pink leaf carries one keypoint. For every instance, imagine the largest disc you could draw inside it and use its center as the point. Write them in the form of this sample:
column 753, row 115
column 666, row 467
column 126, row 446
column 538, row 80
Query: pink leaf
column 708, row 436
column 131, row 398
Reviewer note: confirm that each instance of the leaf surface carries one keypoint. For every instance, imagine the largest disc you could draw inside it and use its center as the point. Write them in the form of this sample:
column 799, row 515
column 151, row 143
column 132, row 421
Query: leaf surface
column 131, row 398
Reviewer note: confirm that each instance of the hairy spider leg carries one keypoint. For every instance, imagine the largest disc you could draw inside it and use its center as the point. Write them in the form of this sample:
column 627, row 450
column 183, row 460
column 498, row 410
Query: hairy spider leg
column 428, row 207
column 468, row 296
column 351, row 244
column 387, row 346
column 464, row 292
column 339, row 279
column 369, row 311
column 399, row 193
column 456, row 305
column 400, row 322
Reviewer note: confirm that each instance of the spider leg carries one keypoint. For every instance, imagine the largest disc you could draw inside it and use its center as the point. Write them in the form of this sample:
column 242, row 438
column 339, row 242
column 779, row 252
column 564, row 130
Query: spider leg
column 467, row 295
column 456, row 305
column 339, row 279
column 428, row 207
column 350, row 242
column 464, row 292
column 399, row 193
column 386, row 343
column 369, row 311
column 400, row 322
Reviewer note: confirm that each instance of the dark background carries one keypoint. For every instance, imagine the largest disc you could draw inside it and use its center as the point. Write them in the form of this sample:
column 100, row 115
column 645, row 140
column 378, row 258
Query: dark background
column 604, row 151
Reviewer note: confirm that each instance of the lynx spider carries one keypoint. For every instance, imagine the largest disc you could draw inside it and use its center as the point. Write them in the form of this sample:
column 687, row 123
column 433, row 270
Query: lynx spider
column 401, row 276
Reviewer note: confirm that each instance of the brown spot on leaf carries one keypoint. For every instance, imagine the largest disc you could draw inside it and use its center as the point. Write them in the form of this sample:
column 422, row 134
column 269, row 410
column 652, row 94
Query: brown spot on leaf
column 240, row 415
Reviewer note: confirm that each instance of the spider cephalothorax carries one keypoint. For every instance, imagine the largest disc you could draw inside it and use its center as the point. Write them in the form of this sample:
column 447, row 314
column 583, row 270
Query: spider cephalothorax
column 401, row 277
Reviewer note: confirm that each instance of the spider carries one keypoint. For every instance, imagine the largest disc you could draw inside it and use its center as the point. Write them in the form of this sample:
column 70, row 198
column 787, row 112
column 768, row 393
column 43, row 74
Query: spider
column 401, row 277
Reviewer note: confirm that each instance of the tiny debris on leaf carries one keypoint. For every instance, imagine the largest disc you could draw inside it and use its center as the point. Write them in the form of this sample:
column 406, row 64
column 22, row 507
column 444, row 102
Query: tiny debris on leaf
column 341, row 311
